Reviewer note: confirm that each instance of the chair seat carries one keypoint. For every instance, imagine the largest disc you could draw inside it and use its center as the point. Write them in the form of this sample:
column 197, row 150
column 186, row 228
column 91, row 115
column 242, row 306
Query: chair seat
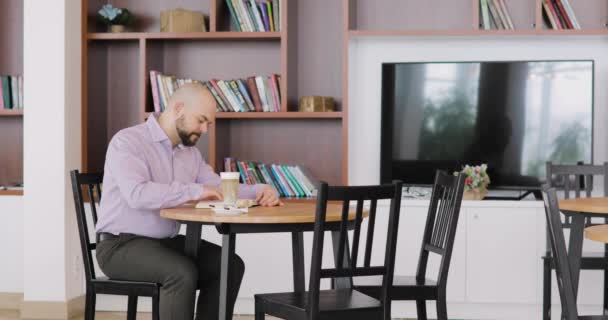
column 586, row 254
column 329, row 300
column 404, row 287
column 589, row 261
column 124, row 287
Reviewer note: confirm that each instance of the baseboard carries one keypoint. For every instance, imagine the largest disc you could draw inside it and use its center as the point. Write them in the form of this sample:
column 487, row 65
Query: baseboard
column 10, row 301
column 53, row 310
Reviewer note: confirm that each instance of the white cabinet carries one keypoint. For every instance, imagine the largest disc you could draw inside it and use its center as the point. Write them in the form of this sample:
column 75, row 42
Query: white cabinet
column 502, row 255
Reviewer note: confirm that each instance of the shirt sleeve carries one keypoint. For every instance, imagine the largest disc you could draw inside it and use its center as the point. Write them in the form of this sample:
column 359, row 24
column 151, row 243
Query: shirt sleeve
column 207, row 176
column 133, row 178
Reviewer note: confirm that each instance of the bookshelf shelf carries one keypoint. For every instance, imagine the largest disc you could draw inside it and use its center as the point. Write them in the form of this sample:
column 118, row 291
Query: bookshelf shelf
column 11, row 192
column 465, row 33
column 273, row 115
column 220, row 35
column 11, row 113
column 279, row 115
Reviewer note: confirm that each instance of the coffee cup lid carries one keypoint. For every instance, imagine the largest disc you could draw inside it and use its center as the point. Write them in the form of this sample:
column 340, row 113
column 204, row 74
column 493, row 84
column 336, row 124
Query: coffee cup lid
column 229, row 175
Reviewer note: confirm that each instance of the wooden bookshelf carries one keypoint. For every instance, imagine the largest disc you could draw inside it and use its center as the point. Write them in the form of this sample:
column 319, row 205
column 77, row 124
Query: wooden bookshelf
column 117, row 93
column 11, row 192
column 11, row 113
column 11, row 121
column 223, row 35
column 461, row 18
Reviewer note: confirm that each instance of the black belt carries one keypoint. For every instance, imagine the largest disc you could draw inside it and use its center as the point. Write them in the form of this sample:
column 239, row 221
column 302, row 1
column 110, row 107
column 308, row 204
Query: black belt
column 105, row 236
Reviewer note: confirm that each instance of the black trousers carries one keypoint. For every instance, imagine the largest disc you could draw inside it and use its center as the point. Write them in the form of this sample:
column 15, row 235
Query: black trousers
column 131, row 257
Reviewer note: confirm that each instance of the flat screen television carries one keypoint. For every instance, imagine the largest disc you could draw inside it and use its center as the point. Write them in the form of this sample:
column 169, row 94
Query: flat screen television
column 512, row 115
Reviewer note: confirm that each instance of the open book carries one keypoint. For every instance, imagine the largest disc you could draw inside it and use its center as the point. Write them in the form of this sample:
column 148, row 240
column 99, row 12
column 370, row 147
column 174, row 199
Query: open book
column 242, row 206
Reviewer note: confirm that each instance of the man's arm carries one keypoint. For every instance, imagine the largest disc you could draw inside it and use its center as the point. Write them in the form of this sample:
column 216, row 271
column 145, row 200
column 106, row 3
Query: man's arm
column 132, row 176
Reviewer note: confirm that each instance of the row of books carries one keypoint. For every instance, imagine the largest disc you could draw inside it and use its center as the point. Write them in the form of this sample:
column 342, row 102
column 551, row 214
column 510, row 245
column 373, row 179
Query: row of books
column 163, row 86
column 494, row 15
column 288, row 181
column 11, row 92
column 559, row 14
column 254, row 94
column 255, row 15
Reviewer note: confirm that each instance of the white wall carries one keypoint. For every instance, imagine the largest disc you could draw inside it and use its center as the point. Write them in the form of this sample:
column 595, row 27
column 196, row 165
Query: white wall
column 367, row 54
column 11, row 244
column 51, row 148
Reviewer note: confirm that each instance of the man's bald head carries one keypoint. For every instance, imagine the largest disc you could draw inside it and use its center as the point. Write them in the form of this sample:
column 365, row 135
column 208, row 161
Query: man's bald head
column 189, row 111
column 194, row 97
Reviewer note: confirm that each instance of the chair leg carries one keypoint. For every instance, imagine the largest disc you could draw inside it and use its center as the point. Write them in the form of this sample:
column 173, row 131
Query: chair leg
column 442, row 307
column 155, row 306
column 89, row 307
column 605, row 311
column 547, row 289
column 421, row 309
column 259, row 311
column 132, row 308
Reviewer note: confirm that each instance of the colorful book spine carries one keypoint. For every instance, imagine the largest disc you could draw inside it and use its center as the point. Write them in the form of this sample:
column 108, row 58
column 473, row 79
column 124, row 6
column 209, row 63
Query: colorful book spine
column 235, row 20
column 571, row 14
column 243, row 89
column 262, row 7
column 276, row 12
column 485, row 14
column 255, row 96
column 270, row 16
column 154, row 88
column 220, row 102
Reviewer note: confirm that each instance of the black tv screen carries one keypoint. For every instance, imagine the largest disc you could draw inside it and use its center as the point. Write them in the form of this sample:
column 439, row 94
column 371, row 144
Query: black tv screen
column 514, row 116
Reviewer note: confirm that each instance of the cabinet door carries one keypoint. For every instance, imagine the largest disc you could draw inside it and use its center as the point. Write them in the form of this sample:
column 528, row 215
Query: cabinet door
column 502, row 255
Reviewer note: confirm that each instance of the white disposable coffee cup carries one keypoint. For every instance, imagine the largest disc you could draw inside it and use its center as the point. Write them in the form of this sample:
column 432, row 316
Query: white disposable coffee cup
column 230, row 185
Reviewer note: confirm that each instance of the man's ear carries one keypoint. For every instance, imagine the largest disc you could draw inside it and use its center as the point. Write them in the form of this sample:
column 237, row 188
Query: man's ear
column 178, row 109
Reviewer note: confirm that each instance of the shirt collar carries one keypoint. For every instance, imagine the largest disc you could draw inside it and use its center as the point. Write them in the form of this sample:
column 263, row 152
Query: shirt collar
column 156, row 132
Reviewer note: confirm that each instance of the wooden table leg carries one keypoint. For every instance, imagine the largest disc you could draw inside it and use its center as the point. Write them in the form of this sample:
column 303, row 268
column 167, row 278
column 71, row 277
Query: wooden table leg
column 227, row 256
column 575, row 248
column 297, row 248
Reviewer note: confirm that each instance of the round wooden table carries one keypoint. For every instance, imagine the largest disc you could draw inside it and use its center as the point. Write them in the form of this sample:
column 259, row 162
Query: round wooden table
column 294, row 217
column 579, row 210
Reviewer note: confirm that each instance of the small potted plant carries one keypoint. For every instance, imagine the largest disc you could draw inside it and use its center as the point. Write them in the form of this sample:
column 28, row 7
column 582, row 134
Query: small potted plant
column 116, row 18
column 476, row 182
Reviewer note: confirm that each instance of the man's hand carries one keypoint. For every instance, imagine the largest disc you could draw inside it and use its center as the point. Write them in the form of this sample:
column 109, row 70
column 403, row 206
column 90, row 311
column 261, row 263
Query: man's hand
column 211, row 193
column 267, row 197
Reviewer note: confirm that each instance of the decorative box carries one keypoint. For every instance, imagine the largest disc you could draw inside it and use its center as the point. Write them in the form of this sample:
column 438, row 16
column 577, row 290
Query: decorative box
column 181, row 20
column 316, row 104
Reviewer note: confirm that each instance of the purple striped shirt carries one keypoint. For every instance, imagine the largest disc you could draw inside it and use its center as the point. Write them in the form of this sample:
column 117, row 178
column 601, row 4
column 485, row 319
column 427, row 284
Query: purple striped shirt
column 143, row 173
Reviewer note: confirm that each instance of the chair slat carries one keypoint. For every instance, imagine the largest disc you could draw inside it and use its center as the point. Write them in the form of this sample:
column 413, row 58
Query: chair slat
column 343, row 234
column 370, row 233
column 358, row 218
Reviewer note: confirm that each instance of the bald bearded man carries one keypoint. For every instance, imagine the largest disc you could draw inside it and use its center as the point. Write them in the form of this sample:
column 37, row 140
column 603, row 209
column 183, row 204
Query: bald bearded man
column 152, row 166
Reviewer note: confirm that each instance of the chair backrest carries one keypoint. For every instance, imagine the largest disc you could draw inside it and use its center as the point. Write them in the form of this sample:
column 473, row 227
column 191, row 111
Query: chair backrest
column 558, row 247
column 441, row 223
column 92, row 183
column 569, row 178
column 345, row 195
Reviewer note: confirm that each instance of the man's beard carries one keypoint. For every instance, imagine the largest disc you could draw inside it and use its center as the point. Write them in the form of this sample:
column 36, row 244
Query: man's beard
column 184, row 135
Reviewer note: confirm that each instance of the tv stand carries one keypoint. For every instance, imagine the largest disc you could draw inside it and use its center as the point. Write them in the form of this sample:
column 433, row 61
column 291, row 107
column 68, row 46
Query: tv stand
column 537, row 195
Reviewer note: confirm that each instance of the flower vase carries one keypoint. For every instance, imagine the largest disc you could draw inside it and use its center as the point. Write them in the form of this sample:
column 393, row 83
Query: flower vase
column 474, row 194
column 116, row 28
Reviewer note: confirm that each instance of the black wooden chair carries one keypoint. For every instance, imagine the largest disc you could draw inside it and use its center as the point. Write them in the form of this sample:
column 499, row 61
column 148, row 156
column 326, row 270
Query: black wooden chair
column 342, row 303
column 573, row 179
column 438, row 238
column 132, row 289
column 560, row 258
